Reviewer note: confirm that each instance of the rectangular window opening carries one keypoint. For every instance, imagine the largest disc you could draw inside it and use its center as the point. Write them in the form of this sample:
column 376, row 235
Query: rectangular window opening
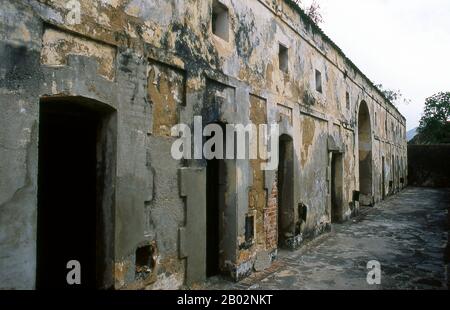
column 347, row 100
column 249, row 228
column 318, row 81
column 220, row 20
column 283, row 58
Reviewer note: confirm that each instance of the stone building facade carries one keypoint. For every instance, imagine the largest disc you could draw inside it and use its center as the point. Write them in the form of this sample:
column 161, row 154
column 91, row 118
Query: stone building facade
column 89, row 93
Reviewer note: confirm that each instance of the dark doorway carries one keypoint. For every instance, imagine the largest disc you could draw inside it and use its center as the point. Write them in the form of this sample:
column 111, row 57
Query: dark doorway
column 383, row 178
column 365, row 155
column 336, row 187
column 394, row 174
column 397, row 175
column 285, row 182
column 215, row 200
column 72, row 220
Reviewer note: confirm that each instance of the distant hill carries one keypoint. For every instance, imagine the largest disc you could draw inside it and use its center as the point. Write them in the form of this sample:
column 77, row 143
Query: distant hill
column 411, row 134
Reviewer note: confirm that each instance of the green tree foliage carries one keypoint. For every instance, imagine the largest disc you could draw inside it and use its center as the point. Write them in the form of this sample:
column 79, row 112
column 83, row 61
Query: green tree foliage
column 435, row 123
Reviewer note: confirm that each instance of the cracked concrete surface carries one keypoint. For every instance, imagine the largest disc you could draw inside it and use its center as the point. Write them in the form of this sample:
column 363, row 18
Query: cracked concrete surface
column 407, row 234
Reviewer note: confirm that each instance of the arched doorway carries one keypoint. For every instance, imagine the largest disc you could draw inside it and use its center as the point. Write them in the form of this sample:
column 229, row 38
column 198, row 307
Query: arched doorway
column 76, row 176
column 285, row 185
column 365, row 154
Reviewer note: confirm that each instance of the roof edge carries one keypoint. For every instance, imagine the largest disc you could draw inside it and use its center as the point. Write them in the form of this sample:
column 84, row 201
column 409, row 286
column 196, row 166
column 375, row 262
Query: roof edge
column 316, row 27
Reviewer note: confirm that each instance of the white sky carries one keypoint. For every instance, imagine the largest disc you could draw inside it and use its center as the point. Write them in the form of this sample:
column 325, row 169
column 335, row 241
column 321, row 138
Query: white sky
column 402, row 44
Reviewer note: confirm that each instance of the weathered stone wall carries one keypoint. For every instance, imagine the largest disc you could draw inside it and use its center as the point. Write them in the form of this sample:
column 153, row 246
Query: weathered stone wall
column 157, row 63
column 427, row 165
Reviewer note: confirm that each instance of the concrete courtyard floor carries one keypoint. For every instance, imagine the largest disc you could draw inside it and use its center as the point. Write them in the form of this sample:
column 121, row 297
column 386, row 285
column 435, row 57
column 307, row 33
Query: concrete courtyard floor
column 407, row 234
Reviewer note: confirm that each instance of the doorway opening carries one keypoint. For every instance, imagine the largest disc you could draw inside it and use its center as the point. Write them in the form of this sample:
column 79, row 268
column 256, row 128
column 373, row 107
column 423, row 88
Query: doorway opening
column 285, row 183
column 383, row 178
column 215, row 202
column 75, row 192
column 336, row 187
column 394, row 175
column 397, row 175
column 365, row 155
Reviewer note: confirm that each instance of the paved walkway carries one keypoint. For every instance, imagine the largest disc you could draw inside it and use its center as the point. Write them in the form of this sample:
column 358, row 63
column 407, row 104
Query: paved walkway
column 407, row 234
